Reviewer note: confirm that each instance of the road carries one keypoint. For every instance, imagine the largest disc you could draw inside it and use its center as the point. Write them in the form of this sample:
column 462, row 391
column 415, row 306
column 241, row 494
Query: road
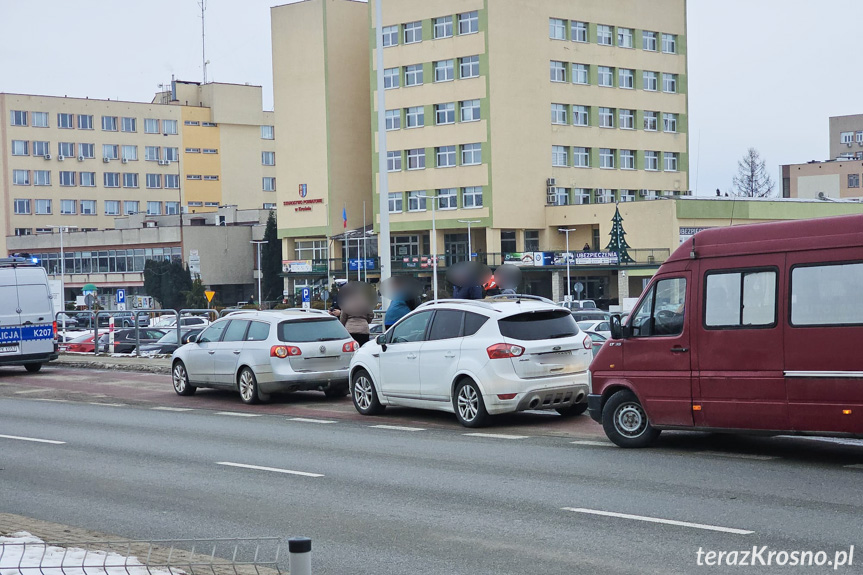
column 411, row 492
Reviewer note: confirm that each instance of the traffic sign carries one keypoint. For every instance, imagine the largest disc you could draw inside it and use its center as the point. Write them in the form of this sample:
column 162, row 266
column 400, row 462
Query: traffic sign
column 209, row 295
column 578, row 287
column 307, row 297
column 121, row 296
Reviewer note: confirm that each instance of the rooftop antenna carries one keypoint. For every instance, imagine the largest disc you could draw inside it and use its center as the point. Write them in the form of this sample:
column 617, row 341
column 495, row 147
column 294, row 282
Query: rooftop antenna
column 203, row 5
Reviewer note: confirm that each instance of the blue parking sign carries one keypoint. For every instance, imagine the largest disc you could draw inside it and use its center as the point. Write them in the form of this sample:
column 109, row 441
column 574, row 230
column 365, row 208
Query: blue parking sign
column 121, row 296
column 307, row 294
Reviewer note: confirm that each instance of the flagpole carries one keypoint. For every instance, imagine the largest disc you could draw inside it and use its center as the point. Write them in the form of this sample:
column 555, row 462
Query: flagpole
column 365, row 269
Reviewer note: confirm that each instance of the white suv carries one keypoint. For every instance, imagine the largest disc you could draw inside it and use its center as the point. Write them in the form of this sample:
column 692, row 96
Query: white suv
column 476, row 359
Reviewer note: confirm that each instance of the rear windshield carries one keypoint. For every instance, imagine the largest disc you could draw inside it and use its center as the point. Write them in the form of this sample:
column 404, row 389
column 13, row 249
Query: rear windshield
column 324, row 329
column 552, row 324
column 588, row 305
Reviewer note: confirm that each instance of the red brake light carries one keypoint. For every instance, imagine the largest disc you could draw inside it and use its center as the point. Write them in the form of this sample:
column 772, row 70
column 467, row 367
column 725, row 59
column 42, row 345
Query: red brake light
column 55, row 329
column 506, row 395
column 350, row 346
column 504, row 350
column 588, row 343
column 283, row 351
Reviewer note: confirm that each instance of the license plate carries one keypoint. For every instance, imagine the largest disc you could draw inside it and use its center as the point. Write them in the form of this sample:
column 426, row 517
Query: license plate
column 8, row 348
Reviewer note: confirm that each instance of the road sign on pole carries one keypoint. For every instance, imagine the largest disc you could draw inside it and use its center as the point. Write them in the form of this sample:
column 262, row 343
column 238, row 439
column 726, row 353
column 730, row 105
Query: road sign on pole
column 209, row 294
column 307, row 297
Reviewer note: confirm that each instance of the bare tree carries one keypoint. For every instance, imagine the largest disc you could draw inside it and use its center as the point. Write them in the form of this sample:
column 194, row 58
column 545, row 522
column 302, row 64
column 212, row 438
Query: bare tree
column 752, row 179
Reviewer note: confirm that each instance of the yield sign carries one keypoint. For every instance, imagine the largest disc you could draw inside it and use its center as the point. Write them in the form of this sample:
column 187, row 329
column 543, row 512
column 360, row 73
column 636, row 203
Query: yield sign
column 209, row 295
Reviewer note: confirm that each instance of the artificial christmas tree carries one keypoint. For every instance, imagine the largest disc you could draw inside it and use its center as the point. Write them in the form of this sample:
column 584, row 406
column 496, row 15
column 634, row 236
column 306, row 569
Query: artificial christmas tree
column 618, row 243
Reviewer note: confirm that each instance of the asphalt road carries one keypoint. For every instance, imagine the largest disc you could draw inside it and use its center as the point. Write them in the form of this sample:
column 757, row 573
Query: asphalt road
column 428, row 498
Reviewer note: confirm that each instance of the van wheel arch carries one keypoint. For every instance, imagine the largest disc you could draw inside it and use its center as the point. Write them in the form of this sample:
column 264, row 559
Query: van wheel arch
column 614, row 388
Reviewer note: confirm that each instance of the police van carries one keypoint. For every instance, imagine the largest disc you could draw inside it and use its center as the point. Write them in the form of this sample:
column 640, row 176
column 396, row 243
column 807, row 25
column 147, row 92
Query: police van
column 27, row 327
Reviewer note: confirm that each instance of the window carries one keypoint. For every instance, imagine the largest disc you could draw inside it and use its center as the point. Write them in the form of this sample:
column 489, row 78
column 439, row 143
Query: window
column 414, row 75
column 471, row 154
column 87, row 179
column 18, row 118
column 740, row 299
column 651, row 82
column 154, row 208
column 444, row 113
column 669, row 122
column 531, row 240
column 269, row 184
column 391, row 36
column 671, row 159
column 412, row 329
column 130, row 180
column 68, row 207
column 606, row 117
column 605, row 76
column 558, row 197
column 603, row 35
column 151, row 153
column 395, row 202
column 669, row 83
column 558, row 114
column 23, row 231
column 669, row 43
column 151, row 126
column 413, row 32
column 445, row 157
column 22, row 206
column 65, row 121
column 268, row 132
column 88, row 207
column 39, row 119
column 393, row 119
column 415, row 117
column 468, row 67
column 172, row 181
column 624, row 37
column 193, row 150
column 41, row 148
column 210, row 151
column 578, row 31
column 67, row 178
column 211, row 178
column 651, row 161
column 416, row 201
column 109, row 123
column 648, row 41
column 443, row 27
column 21, row 177
column 417, row 159
column 20, row 148
column 579, row 74
column 580, row 115
column 446, row 325
column 661, row 312
column 43, row 207
column 111, row 180
column 130, row 207
column 468, row 23
column 42, row 178
column 85, row 122
column 626, row 78
column 559, row 156
column 627, row 159
column 194, row 204
column 193, row 177
column 853, row 180
column 651, row 120
column 394, row 161
column 110, row 151
column 469, row 110
column 173, row 208
column 471, row 197
column 169, row 127
column 447, row 199
column 189, row 123
column 391, row 78
column 507, row 241
column 860, row 137
column 268, row 158
column 556, row 29
column 627, row 195
column 844, row 137
column 815, row 291
column 130, row 153
column 444, row 71
column 581, row 157
column 627, row 119
column 606, row 158
column 87, row 150
column 558, row 71
column 129, row 124
column 171, row 154
column 112, row 208
column 311, row 250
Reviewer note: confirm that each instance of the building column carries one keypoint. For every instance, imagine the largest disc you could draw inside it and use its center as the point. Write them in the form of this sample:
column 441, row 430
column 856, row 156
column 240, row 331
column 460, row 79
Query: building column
column 622, row 285
column 556, row 283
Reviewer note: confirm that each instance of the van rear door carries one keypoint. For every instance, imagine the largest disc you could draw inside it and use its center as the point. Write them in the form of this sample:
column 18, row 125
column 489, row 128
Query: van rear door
column 36, row 311
column 9, row 317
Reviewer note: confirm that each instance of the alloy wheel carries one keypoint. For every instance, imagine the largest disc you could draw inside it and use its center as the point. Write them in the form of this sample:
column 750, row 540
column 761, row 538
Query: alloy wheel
column 363, row 392
column 468, row 402
column 247, row 385
column 179, row 378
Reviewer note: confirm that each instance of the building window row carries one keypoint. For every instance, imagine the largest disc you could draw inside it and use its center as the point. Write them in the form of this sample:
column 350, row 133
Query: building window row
column 85, row 122
column 442, row 27
column 610, row 77
column 613, row 159
column 622, row 118
column 68, row 207
column 443, row 71
column 86, row 151
column 444, row 114
column 444, row 157
column 88, row 179
column 559, row 196
column 607, row 35
column 110, row 261
column 447, row 199
column 849, row 137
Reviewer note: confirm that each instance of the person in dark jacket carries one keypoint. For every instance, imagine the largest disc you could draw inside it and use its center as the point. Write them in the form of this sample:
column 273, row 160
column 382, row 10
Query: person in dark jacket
column 397, row 310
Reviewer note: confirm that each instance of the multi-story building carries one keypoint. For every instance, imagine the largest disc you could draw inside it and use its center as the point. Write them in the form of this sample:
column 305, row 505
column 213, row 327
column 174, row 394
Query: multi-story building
column 82, row 162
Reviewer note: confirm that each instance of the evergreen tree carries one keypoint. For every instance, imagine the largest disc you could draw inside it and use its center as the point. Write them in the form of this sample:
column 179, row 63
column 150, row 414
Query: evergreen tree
column 272, row 283
column 618, row 243
column 195, row 297
column 167, row 281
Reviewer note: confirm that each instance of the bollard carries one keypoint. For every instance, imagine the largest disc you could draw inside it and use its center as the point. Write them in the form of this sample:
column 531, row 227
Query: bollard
column 110, row 335
column 300, row 556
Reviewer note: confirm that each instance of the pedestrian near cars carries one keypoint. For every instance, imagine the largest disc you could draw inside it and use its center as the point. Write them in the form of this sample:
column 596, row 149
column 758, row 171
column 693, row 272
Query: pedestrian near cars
column 397, row 310
column 355, row 315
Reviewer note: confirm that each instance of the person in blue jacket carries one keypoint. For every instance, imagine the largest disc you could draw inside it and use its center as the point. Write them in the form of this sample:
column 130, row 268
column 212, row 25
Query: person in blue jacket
column 397, row 310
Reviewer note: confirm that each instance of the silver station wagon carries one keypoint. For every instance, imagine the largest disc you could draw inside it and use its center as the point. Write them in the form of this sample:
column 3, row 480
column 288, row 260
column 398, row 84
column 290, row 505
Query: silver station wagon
column 258, row 353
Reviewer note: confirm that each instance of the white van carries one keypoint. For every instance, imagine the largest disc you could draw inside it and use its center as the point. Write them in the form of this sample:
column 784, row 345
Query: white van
column 27, row 330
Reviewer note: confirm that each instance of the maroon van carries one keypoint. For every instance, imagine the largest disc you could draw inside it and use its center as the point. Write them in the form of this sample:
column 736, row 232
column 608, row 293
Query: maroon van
column 753, row 328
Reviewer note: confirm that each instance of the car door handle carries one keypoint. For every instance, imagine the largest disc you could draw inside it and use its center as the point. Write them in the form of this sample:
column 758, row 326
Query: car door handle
column 679, row 349
column 449, row 355
column 411, row 356
column 236, row 352
column 211, row 351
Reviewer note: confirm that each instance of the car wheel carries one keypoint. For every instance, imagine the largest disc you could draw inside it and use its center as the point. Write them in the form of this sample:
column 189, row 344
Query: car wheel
column 248, row 386
column 625, row 422
column 573, row 410
column 337, row 391
column 365, row 395
column 32, row 367
column 469, row 406
column 180, row 379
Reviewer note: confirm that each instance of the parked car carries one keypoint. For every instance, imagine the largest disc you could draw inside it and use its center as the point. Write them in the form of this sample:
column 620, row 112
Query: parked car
column 168, row 342
column 476, row 359
column 185, row 321
column 376, row 329
column 124, row 319
column 599, row 326
column 26, row 315
column 597, row 339
column 259, row 353
column 124, row 339
column 578, row 304
column 70, row 321
column 81, row 344
column 590, row 315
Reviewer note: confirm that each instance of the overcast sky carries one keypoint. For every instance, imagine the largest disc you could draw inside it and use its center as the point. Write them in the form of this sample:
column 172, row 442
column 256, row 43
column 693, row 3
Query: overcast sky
column 762, row 73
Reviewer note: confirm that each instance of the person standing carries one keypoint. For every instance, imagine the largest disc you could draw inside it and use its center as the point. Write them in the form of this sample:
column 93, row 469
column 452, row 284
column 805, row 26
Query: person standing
column 356, row 313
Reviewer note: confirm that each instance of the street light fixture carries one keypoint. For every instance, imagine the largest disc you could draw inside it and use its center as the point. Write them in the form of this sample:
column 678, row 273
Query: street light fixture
column 433, row 240
column 469, row 248
column 258, row 244
column 63, row 273
column 567, row 231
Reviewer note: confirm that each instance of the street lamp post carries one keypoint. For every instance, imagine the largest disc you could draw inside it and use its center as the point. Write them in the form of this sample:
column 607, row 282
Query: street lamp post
column 469, row 248
column 63, row 273
column 433, row 241
column 568, row 281
column 258, row 244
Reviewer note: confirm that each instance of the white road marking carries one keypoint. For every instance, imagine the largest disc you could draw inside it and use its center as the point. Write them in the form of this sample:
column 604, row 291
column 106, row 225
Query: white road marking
column 172, row 409
column 54, row 400
column 496, row 435
column 274, row 469
column 737, row 455
column 51, row 441
column 398, row 427
column 238, row 414
column 37, row 390
column 593, row 443
column 658, row 520
column 107, row 404
column 306, row 420
column 855, row 466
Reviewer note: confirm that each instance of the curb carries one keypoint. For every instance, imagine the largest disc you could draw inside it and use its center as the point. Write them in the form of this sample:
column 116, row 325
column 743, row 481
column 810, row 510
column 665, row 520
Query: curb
column 108, row 364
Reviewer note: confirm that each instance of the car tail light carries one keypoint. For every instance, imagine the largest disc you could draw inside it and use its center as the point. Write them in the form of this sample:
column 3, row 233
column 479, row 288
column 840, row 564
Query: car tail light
column 350, row 346
column 504, row 350
column 588, row 343
column 55, row 329
column 506, row 395
column 283, row 351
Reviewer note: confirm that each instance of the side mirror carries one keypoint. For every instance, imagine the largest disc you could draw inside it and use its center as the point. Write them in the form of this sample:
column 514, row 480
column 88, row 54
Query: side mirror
column 616, row 327
column 381, row 340
column 192, row 339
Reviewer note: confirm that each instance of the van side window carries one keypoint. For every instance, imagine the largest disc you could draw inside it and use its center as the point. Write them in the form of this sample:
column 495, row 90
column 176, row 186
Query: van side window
column 662, row 310
column 827, row 295
column 740, row 299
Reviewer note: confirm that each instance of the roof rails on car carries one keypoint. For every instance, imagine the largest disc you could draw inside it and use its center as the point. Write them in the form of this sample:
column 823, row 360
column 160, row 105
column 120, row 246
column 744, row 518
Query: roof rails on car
column 520, row 296
column 475, row 302
column 304, row 310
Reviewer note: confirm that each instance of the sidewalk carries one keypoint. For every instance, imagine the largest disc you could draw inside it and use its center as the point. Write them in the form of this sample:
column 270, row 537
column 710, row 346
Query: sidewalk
column 117, row 362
